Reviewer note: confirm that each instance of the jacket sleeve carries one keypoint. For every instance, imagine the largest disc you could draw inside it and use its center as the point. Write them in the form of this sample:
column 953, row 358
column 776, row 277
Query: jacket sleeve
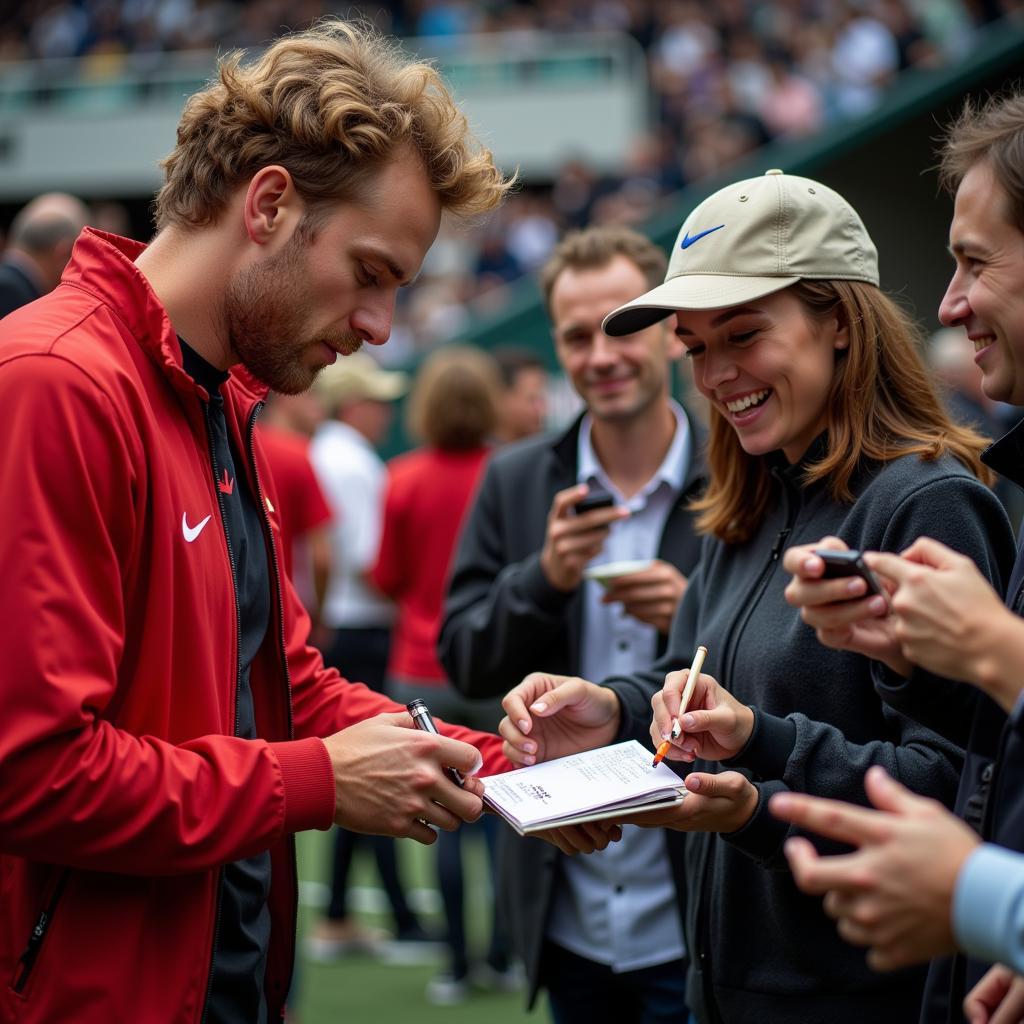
column 635, row 691
column 499, row 617
column 74, row 788
column 944, row 705
column 815, row 757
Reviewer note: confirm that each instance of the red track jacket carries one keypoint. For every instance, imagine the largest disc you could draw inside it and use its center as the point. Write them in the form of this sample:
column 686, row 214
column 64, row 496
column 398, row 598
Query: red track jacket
column 122, row 788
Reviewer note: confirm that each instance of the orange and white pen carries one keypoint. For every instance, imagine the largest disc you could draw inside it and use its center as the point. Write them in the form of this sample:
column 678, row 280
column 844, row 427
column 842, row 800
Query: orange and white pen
column 691, row 682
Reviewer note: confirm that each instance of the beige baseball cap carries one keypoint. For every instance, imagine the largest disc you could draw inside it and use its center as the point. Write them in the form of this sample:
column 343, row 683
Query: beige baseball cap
column 751, row 239
column 358, row 376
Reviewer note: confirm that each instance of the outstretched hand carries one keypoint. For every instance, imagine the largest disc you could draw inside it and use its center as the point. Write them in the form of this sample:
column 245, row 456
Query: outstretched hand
column 894, row 894
column 549, row 716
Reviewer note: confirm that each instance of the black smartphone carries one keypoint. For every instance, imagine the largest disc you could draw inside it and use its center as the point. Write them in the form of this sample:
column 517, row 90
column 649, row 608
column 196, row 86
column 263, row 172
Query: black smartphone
column 849, row 563
column 594, row 500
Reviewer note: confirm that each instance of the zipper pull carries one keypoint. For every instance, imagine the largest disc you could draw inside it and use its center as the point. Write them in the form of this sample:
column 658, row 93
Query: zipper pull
column 780, row 543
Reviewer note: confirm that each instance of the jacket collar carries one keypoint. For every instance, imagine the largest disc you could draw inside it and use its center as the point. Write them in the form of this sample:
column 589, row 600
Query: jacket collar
column 1006, row 456
column 103, row 265
column 792, row 474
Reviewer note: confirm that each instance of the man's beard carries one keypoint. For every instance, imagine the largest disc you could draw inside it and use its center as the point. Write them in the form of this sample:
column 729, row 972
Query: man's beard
column 264, row 323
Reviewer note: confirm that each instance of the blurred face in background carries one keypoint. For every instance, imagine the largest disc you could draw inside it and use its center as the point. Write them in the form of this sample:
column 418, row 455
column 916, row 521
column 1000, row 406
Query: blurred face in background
column 371, row 418
column 986, row 294
column 619, row 379
column 524, row 405
column 302, row 413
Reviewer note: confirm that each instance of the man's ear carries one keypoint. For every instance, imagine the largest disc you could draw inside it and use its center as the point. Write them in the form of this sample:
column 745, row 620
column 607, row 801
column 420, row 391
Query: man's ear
column 272, row 207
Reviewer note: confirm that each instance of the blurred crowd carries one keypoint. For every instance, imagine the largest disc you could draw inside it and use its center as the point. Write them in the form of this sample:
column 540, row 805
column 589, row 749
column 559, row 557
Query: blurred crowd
column 724, row 78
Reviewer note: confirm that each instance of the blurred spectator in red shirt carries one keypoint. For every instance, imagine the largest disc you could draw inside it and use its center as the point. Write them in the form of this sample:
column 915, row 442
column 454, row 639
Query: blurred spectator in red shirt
column 453, row 408
column 303, row 511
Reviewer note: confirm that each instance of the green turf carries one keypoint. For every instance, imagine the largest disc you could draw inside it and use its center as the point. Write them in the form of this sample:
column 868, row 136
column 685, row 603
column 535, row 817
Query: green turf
column 360, row 990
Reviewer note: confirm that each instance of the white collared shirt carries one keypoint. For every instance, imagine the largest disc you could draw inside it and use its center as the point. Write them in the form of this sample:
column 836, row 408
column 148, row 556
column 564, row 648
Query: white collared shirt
column 353, row 477
column 618, row 907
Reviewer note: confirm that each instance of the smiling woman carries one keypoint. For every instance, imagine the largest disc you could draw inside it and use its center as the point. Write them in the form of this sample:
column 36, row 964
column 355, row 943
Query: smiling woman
column 823, row 424
column 791, row 339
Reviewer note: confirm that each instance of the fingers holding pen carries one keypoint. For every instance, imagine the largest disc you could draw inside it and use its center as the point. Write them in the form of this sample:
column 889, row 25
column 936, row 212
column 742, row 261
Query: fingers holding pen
column 714, row 725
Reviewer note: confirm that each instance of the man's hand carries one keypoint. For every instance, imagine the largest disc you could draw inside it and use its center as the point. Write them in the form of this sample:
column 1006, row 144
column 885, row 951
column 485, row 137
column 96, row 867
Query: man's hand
column 550, row 716
column 716, row 726
column 841, row 612
column 571, row 540
column 997, row 999
column 388, row 779
column 895, row 893
column 949, row 620
column 651, row 596
column 713, row 803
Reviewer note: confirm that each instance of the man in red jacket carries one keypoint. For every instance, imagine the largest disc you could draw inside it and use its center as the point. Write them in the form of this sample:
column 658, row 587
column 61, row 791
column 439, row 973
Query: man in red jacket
column 162, row 713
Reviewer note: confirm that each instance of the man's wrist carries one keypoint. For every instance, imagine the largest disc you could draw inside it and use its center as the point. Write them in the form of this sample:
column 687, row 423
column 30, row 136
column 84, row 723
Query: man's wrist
column 554, row 579
column 997, row 669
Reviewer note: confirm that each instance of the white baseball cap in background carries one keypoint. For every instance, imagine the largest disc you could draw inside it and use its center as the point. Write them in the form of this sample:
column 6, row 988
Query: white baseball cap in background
column 753, row 238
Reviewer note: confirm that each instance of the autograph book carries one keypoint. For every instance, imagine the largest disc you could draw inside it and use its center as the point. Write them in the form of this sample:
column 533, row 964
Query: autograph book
column 591, row 786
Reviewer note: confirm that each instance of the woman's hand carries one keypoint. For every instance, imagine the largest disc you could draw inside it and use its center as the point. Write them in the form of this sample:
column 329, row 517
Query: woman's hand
column 716, row 726
column 713, row 803
column 550, row 716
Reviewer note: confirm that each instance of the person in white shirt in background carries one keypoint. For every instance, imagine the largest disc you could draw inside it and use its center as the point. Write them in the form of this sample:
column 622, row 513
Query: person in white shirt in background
column 359, row 397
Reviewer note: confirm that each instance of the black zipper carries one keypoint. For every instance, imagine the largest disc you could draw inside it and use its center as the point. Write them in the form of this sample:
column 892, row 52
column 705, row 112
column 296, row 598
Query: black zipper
column 238, row 659
column 754, row 595
column 276, row 569
column 27, row 959
column 731, row 650
column 275, row 566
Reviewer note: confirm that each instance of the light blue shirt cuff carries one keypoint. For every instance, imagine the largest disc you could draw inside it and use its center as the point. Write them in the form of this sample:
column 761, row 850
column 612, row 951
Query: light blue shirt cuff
column 1018, row 708
column 988, row 906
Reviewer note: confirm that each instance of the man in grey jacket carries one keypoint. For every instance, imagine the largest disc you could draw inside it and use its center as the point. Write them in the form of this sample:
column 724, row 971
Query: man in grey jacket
column 607, row 939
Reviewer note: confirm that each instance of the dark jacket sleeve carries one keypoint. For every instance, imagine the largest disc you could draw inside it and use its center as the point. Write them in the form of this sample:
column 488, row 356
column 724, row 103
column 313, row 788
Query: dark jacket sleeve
column 636, row 690
column 815, row 757
column 501, row 618
column 974, row 524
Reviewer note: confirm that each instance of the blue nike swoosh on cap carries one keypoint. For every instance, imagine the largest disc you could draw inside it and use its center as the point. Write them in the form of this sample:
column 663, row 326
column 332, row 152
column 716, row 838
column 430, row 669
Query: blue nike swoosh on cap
column 688, row 240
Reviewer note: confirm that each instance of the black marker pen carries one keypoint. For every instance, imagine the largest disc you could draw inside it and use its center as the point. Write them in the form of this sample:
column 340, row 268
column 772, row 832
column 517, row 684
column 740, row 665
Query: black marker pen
column 422, row 720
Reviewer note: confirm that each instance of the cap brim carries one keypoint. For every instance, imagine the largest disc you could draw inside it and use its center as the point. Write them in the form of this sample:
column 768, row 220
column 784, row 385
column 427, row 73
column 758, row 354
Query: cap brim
column 388, row 388
column 690, row 291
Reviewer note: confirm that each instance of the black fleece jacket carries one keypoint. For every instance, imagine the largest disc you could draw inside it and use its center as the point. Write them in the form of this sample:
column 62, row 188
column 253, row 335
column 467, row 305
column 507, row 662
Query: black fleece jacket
column 991, row 797
column 760, row 949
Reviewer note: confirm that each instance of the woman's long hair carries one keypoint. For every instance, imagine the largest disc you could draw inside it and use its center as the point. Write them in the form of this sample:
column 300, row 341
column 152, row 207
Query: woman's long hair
column 881, row 405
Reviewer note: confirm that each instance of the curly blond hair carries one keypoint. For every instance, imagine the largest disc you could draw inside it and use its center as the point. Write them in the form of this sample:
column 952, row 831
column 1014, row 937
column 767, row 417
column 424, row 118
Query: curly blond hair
column 332, row 105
